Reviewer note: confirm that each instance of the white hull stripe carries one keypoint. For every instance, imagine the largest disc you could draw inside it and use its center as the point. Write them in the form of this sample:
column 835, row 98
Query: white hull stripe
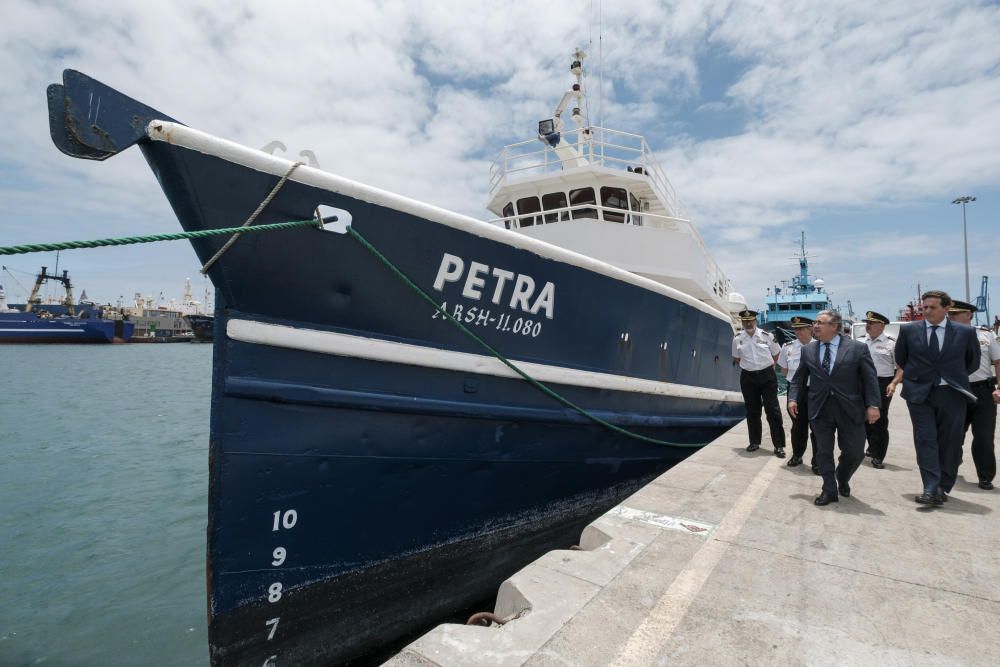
column 196, row 140
column 329, row 342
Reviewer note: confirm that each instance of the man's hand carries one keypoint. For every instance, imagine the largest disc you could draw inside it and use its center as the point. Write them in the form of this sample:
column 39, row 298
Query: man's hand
column 996, row 395
column 793, row 409
column 873, row 415
column 890, row 390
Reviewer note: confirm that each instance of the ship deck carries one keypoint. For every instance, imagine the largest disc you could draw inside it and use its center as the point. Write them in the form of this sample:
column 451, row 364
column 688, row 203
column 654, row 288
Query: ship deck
column 729, row 562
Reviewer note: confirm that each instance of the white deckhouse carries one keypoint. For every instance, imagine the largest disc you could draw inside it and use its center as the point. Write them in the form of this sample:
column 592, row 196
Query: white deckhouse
column 601, row 193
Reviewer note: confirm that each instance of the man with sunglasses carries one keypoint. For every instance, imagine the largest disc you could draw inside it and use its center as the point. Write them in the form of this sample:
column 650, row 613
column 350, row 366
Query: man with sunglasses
column 838, row 377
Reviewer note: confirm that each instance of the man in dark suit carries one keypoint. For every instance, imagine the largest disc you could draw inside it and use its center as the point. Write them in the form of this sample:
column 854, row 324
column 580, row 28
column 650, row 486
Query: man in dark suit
column 937, row 357
column 839, row 376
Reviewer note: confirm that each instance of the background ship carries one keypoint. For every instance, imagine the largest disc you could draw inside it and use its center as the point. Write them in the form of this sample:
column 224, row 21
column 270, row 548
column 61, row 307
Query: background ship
column 374, row 467
column 61, row 324
column 804, row 295
column 202, row 326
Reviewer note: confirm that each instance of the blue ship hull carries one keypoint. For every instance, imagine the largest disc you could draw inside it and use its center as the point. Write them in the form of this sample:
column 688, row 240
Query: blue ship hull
column 372, row 469
column 29, row 328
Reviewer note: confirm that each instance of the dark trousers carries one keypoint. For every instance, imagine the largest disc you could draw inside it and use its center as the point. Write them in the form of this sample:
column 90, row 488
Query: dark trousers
column 878, row 433
column 982, row 416
column 800, row 430
column 937, row 436
column 760, row 389
column 833, row 419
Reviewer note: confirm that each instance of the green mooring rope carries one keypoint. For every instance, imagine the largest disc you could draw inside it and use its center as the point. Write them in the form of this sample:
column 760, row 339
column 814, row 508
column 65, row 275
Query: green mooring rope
column 153, row 238
column 506, row 362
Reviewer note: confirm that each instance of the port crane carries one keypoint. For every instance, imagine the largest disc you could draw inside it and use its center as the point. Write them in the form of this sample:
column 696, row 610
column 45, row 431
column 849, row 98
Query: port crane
column 983, row 303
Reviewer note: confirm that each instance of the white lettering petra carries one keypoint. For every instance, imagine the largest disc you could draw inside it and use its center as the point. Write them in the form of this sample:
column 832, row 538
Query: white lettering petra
column 452, row 269
column 473, row 283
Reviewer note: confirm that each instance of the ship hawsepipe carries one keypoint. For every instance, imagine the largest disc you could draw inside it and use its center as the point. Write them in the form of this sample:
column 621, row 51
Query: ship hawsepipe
column 372, row 469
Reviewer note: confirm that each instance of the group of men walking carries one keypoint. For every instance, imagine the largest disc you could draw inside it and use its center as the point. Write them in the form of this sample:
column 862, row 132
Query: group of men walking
column 840, row 389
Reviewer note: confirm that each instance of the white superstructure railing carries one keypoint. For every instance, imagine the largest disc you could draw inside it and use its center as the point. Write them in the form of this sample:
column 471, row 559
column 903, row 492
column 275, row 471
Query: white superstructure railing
column 599, row 147
column 716, row 281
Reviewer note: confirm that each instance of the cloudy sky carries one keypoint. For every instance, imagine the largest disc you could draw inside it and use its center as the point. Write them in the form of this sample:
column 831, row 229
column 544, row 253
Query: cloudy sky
column 858, row 123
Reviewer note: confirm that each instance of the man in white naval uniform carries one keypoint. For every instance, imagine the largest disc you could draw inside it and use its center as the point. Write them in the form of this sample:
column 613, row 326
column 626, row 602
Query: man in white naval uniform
column 883, row 350
column 788, row 361
column 755, row 350
column 981, row 415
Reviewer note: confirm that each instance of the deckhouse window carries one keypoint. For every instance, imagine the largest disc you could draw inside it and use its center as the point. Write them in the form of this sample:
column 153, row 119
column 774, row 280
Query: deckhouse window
column 552, row 201
column 614, row 198
column 583, row 196
column 635, row 206
column 508, row 214
column 528, row 205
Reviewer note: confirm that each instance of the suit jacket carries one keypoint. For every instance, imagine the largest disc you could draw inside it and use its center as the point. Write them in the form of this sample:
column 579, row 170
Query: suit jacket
column 854, row 382
column 958, row 358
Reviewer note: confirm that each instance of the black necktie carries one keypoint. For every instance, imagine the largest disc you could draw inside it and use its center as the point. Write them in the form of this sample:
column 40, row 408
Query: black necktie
column 826, row 358
column 935, row 346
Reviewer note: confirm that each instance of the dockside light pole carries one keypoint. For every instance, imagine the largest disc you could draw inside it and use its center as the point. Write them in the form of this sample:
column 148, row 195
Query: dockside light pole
column 965, row 236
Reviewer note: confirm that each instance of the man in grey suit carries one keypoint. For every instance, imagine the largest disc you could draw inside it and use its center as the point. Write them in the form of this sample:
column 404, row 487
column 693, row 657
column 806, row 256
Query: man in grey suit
column 842, row 385
column 937, row 356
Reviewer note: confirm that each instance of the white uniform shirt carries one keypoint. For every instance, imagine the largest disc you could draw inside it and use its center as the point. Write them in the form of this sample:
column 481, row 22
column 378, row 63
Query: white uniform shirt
column 755, row 352
column 990, row 348
column 790, row 356
column 883, row 350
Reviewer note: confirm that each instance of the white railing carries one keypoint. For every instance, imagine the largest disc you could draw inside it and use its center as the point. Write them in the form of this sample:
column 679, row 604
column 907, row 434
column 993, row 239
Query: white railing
column 716, row 281
column 598, row 146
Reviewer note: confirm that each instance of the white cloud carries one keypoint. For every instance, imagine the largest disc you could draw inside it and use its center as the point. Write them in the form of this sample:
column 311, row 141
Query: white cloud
column 848, row 107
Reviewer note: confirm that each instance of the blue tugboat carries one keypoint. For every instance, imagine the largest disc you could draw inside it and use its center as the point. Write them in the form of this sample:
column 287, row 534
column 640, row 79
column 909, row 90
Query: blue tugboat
column 35, row 324
column 373, row 467
column 803, row 296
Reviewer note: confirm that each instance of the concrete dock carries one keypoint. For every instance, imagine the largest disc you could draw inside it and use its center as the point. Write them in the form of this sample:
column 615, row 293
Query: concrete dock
column 725, row 560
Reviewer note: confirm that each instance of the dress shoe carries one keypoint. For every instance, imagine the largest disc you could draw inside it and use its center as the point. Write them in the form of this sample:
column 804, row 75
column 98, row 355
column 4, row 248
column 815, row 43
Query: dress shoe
column 825, row 499
column 815, row 469
column 845, row 489
column 943, row 497
column 877, row 463
column 794, row 461
column 986, row 486
column 753, row 447
column 926, row 498
column 779, row 452
column 868, row 453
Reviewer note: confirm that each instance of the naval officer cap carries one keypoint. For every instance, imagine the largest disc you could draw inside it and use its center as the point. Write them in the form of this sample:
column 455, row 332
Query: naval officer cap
column 872, row 316
column 961, row 307
column 747, row 315
column 798, row 321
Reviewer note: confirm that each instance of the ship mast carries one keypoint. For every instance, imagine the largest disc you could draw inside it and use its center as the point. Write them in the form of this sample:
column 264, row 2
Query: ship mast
column 550, row 130
column 803, row 264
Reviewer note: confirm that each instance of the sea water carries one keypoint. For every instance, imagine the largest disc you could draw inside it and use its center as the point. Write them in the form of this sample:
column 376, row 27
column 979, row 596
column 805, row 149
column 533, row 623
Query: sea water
column 103, row 504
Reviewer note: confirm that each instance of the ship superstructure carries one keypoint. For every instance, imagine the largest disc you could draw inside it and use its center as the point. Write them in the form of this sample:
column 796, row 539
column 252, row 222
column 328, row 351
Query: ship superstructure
column 804, row 295
column 602, row 193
